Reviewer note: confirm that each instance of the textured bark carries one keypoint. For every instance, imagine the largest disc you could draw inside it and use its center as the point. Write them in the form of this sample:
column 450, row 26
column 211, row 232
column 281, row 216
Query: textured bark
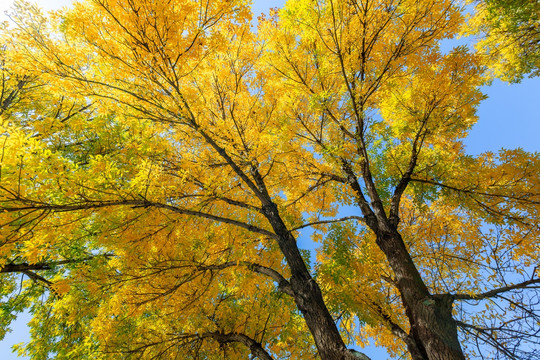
column 433, row 328
column 307, row 294
column 305, row 291
column 433, row 331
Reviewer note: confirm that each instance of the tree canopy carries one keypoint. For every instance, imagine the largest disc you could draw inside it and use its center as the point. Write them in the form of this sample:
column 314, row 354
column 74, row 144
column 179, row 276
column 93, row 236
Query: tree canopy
column 160, row 161
column 510, row 36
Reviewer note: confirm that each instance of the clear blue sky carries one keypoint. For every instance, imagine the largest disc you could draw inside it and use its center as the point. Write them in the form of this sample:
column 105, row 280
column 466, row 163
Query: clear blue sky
column 509, row 118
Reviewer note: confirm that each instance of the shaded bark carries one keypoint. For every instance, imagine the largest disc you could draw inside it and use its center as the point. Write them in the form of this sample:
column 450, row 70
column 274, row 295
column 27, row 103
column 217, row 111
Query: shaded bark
column 255, row 347
column 307, row 294
column 432, row 327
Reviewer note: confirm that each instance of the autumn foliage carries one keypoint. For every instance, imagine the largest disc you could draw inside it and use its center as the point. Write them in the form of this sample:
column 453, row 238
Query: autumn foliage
column 161, row 161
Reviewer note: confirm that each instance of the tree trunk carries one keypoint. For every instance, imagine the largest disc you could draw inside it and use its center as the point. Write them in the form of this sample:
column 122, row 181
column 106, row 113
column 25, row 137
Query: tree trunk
column 433, row 328
column 307, row 294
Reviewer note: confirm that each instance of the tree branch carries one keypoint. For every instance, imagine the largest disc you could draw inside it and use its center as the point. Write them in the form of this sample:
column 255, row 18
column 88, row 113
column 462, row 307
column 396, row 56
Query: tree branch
column 359, row 218
column 472, row 192
column 30, row 205
column 494, row 292
column 11, row 267
column 283, row 284
column 406, row 177
column 255, row 347
column 489, row 337
column 397, row 330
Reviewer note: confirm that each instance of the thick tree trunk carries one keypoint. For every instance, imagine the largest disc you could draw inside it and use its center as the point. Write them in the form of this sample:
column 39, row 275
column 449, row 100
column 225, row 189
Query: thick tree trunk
column 433, row 328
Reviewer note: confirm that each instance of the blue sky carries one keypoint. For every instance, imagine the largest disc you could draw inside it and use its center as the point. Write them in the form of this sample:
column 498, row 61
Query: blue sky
column 508, row 118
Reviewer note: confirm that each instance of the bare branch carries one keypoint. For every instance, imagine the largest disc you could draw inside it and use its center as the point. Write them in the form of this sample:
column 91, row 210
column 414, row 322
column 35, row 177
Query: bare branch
column 495, row 292
column 524, row 198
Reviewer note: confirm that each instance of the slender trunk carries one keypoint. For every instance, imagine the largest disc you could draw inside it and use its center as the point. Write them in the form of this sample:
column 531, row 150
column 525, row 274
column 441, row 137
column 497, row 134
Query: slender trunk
column 308, row 296
column 433, row 328
column 306, row 292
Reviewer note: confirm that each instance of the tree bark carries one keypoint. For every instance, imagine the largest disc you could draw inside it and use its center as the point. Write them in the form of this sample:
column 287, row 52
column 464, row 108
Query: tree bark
column 432, row 326
column 307, row 294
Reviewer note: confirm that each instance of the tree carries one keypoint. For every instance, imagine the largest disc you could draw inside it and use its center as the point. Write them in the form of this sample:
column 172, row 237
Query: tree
column 160, row 161
column 511, row 36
